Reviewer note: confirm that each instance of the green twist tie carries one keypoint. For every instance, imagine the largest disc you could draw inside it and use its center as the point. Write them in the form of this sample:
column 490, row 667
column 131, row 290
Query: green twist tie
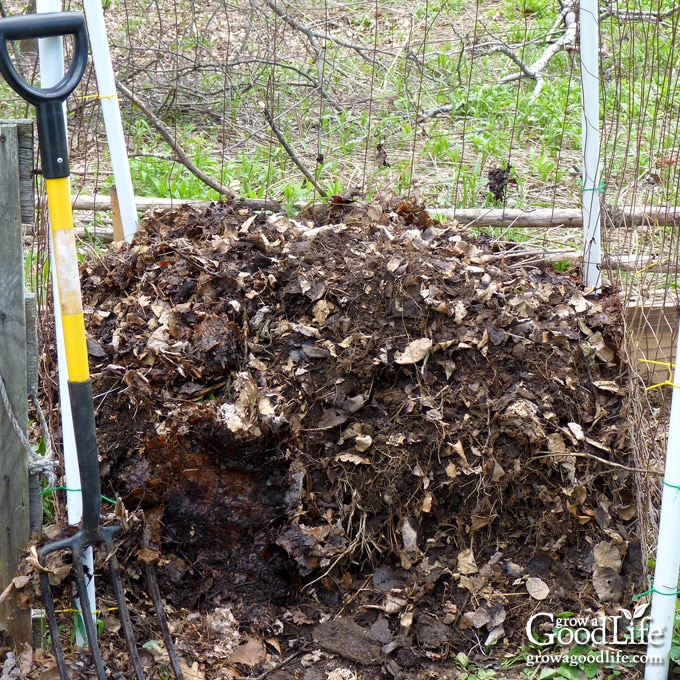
column 601, row 188
column 64, row 488
column 654, row 590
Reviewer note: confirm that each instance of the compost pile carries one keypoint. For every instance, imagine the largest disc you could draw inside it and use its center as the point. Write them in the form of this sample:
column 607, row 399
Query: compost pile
column 360, row 434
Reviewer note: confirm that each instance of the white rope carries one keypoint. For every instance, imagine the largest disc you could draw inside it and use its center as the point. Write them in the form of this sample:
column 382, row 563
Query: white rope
column 37, row 465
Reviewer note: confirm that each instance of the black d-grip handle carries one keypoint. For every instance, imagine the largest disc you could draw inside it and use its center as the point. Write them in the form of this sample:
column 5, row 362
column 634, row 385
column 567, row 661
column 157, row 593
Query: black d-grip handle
column 47, row 100
column 46, row 25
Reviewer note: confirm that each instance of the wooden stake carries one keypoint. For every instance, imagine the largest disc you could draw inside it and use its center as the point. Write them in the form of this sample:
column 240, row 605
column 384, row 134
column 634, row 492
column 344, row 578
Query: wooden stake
column 118, row 232
column 14, row 504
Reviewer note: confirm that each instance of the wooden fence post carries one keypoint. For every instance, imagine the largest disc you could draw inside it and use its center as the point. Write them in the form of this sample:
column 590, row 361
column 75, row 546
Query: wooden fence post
column 14, row 503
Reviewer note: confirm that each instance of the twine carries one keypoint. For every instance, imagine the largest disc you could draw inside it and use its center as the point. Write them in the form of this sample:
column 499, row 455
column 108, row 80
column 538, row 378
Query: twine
column 37, row 464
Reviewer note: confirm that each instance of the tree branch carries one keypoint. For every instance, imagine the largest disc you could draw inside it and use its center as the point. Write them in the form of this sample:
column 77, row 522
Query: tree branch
column 182, row 156
column 289, row 150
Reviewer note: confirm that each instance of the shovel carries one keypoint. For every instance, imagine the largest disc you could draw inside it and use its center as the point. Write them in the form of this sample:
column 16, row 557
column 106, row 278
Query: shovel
column 54, row 152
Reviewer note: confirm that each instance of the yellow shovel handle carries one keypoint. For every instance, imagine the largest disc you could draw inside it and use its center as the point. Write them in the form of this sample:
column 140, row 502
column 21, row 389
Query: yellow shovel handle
column 68, row 278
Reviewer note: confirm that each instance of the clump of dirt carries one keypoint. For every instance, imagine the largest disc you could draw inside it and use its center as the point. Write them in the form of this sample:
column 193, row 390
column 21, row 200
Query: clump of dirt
column 368, row 412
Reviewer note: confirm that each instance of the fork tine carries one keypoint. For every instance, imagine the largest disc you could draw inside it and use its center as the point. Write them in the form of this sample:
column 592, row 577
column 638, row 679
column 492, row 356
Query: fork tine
column 53, row 626
column 124, row 614
column 86, row 614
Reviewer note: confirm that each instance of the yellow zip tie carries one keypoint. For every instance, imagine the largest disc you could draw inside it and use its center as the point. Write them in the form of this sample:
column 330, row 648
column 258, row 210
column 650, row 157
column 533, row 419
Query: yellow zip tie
column 670, row 368
column 99, row 96
column 667, row 364
column 78, row 611
column 662, row 384
column 651, row 265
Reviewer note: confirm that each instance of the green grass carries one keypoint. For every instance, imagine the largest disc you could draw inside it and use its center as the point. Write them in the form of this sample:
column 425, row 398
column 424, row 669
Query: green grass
column 380, row 97
column 416, row 57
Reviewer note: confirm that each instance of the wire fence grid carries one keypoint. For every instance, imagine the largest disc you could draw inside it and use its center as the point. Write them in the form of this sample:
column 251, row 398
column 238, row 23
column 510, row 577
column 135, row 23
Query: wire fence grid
column 463, row 104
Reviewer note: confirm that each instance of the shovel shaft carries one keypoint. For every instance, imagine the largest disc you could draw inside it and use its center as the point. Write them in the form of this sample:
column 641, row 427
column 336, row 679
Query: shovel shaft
column 75, row 344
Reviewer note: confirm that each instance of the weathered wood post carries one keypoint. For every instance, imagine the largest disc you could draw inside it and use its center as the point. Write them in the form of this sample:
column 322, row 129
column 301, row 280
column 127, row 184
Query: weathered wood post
column 14, row 503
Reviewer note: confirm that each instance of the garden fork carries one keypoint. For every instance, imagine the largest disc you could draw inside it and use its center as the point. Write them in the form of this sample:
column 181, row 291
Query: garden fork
column 55, row 167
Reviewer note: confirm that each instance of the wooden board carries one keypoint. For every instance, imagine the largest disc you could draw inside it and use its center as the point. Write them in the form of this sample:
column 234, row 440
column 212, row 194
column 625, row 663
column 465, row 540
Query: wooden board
column 26, row 166
column 653, row 330
column 14, row 504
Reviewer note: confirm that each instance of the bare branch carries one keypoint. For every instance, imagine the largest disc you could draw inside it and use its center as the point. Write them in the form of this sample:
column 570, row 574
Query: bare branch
column 636, row 15
column 182, row 156
column 289, row 150
column 312, row 36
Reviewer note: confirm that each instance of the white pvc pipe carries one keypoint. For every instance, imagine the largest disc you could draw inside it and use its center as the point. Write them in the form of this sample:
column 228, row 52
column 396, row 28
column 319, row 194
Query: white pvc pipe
column 590, row 92
column 106, row 84
column 51, row 55
column 665, row 583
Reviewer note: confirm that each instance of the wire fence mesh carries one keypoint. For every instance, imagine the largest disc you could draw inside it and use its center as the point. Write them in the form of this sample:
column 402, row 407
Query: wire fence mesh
column 463, row 104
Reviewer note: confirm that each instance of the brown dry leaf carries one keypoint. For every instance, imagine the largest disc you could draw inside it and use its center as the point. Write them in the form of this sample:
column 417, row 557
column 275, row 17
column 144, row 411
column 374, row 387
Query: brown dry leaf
column 352, row 458
column 409, row 533
column 627, row 512
column 452, row 471
column 148, row 556
column 481, row 521
column 275, row 644
column 331, row 417
column 394, row 604
column 192, row 672
column 573, row 510
column 341, row 674
column 577, row 431
column 537, row 588
column 299, row 618
column 6, row 593
column 498, row 472
column 579, row 303
column 414, row 352
column 322, row 310
column 363, row 442
column 556, row 443
column 610, row 386
column 608, row 585
column 406, row 621
column 494, row 636
column 607, row 554
column 668, row 160
column 480, row 617
column 466, row 562
column 250, row 653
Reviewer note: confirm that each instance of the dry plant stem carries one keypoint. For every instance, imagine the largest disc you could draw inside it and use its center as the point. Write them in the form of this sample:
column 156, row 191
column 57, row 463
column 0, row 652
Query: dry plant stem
column 172, row 142
column 627, row 15
column 313, row 35
column 604, row 461
column 272, row 124
column 98, row 202
column 436, row 111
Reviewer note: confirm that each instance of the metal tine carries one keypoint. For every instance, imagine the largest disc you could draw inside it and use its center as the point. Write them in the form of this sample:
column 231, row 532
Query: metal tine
column 86, row 614
column 123, row 611
column 53, row 626
column 86, row 608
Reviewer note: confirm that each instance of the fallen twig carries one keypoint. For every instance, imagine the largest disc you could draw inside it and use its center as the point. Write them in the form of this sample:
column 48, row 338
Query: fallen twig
column 303, row 169
column 278, row 666
column 604, row 461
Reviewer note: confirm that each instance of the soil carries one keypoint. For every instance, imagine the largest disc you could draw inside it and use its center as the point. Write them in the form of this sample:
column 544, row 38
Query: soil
column 363, row 442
